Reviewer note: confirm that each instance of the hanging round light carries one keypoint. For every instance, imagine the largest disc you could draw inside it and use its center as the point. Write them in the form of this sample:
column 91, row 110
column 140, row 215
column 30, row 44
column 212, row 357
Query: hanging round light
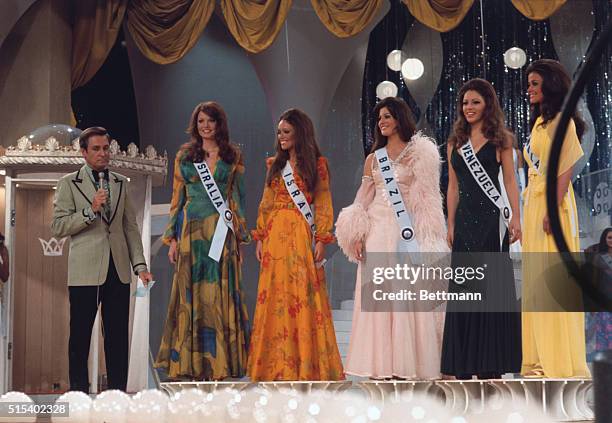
column 412, row 69
column 395, row 59
column 515, row 58
column 386, row 89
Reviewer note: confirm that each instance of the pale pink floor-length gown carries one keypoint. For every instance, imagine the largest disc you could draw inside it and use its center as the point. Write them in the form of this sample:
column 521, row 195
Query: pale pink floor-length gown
column 396, row 344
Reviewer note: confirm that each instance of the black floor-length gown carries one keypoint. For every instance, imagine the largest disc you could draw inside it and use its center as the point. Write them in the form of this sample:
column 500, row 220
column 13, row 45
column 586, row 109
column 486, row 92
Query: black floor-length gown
column 485, row 344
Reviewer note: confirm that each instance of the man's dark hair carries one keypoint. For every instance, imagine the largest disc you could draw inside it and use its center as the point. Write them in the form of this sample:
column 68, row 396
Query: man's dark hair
column 90, row 132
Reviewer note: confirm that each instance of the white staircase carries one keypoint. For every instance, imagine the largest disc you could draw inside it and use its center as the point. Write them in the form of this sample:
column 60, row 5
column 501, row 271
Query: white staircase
column 342, row 325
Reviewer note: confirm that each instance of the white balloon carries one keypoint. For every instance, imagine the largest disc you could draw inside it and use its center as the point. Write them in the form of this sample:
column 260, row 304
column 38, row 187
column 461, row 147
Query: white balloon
column 19, row 397
column 79, row 407
column 395, row 59
column 386, row 89
column 515, row 58
column 148, row 406
column 412, row 69
column 110, row 406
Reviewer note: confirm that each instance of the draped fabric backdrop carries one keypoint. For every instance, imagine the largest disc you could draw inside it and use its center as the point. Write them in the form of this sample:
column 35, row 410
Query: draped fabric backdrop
column 388, row 35
column 165, row 31
column 441, row 15
column 463, row 60
column 254, row 25
column 95, row 29
column 599, row 94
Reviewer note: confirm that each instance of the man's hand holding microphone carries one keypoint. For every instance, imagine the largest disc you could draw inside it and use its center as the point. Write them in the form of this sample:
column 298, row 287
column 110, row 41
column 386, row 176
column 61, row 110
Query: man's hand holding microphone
column 99, row 200
column 97, row 205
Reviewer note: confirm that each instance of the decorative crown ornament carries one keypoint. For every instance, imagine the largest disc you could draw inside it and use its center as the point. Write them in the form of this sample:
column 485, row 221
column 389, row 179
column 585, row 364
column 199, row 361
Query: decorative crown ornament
column 114, row 147
column 24, row 144
column 150, row 152
column 51, row 144
column 53, row 247
column 24, row 153
column 132, row 150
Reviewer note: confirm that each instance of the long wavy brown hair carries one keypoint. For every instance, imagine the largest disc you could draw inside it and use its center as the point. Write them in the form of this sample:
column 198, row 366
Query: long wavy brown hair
column 493, row 126
column 306, row 149
column 228, row 152
column 555, row 86
column 401, row 113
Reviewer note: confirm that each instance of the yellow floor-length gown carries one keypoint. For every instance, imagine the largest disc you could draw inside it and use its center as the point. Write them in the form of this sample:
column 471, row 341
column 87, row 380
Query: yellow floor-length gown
column 293, row 331
column 553, row 342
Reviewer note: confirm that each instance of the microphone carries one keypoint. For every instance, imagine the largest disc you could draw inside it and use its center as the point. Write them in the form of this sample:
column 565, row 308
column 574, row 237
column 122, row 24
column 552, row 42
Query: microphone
column 101, row 185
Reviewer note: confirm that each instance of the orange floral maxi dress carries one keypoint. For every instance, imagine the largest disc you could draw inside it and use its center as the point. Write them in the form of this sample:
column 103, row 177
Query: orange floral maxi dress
column 293, row 333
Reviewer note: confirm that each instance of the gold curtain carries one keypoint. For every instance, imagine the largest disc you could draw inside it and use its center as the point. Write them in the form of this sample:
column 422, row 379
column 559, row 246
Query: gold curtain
column 441, row 15
column 96, row 25
column 255, row 23
column 165, row 31
column 346, row 18
column 538, row 9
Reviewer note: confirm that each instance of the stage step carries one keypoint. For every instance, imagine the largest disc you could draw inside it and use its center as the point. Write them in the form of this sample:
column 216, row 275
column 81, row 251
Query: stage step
column 342, row 315
column 347, row 305
column 342, row 337
column 342, row 325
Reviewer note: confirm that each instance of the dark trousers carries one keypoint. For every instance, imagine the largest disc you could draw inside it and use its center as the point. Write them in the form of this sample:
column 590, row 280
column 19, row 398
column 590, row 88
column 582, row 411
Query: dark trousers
column 84, row 300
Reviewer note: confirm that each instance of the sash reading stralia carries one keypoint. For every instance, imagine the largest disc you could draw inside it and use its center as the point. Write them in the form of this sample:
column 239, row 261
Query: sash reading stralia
column 408, row 242
column 486, row 185
column 226, row 216
column 298, row 197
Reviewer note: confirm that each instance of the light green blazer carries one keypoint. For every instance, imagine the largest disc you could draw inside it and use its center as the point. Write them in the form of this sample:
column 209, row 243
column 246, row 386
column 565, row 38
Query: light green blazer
column 91, row 242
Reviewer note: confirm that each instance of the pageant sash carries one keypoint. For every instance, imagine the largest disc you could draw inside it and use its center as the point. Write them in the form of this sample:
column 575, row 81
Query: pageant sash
column 607, row 259
column 485, row 183
column 226, row 216
column 535, row 164
column 533, row 158
column 408, row 242
column 299, row 199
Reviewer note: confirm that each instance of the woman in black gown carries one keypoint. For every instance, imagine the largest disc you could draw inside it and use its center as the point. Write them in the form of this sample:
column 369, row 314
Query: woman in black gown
column 482, row 343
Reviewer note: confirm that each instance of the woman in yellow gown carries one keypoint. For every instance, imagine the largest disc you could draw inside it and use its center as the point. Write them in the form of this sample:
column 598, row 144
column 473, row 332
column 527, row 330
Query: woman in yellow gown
column 293, row 333
column 553, row 342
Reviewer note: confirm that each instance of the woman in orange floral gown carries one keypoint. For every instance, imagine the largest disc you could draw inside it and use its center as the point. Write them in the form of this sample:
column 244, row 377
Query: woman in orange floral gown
column 293, row 333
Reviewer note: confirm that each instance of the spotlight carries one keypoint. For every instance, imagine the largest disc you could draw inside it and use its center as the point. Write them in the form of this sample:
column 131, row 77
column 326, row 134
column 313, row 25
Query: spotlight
column 412, row 69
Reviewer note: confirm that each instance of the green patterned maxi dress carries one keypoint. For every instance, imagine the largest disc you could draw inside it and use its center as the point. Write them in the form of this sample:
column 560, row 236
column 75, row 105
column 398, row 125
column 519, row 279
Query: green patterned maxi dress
column 207, row 330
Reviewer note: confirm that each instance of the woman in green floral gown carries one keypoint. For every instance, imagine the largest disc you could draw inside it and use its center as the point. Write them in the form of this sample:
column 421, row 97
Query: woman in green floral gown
column 206, row 333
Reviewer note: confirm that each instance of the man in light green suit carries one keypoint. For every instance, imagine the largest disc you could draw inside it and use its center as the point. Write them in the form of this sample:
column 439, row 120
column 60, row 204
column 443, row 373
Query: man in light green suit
column 92, row 207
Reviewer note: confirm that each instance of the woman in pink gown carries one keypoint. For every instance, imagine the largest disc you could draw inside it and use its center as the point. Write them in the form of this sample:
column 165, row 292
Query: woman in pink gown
column 400, row 344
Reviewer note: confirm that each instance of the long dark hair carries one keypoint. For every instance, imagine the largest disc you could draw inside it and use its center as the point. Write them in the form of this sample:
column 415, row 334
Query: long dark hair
column 227, row 150
column 603, row 245
column 306, row 149
column 493, row 126
column 401, row 113
column 555, row 86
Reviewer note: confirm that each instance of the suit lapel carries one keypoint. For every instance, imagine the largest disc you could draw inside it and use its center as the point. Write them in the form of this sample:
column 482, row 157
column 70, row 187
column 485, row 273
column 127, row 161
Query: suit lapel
column 84, row 185
column 116, row 189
